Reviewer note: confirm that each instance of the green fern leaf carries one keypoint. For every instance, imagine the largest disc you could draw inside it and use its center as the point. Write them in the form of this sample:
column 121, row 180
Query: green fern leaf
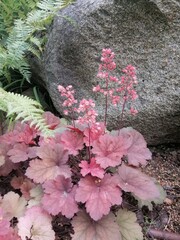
column 24, row 109
column 21, row 37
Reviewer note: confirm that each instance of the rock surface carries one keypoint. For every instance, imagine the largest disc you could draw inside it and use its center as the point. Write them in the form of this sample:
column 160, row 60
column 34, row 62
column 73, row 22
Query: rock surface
column 144, row 33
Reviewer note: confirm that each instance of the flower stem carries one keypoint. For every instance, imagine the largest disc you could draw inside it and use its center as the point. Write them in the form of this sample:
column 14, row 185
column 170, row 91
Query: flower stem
column 106, row 103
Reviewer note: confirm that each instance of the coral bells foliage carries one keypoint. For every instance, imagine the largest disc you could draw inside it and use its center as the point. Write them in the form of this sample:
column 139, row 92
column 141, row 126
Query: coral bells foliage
column 81, row 172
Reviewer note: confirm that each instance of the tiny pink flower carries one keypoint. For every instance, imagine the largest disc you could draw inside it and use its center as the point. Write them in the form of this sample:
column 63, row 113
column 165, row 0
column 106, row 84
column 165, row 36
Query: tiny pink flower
column 133, row 111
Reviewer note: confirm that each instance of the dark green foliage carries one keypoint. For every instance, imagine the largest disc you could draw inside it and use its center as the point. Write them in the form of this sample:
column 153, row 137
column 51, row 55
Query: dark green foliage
column 10, row 10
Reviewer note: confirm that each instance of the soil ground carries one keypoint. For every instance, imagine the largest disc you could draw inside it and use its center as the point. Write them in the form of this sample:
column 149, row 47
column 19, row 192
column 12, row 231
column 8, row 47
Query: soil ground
column 165, row 167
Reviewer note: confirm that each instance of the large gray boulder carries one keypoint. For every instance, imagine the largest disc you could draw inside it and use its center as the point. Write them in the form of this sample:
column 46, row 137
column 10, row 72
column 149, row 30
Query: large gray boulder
column 144, row 33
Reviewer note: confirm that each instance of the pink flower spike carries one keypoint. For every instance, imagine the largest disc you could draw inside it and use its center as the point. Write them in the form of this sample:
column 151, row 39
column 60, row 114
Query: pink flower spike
column 97, row 88
column 133, row 111
column 113, row 79
column 68, row 93
column 93, row 133
column 93, row 168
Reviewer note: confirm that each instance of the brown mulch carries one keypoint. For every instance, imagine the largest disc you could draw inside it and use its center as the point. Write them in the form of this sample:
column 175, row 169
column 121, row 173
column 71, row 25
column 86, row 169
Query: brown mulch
column 165, row 167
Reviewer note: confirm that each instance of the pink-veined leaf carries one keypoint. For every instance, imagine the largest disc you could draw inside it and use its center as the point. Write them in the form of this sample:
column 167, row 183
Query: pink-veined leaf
column 53, row 163
column 98, row 194
column 35, row 225
column 21, row 152
column 52, row 152
column 41, row 171
column 11, row 235
column 133, row 180
column 72, row 141
column 7, row 166
column 109, row 150
column 13, row 205
column 93, row 168
column 4, row 224
column 26, row 133
column 24, row 184
column 22, row 133
column 87, row 229
column 137, row 152
column 159, row 200
column 2, row 159
column 59, row 197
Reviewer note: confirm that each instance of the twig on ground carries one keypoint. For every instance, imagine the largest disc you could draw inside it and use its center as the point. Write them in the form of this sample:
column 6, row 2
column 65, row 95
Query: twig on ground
column 159, row 234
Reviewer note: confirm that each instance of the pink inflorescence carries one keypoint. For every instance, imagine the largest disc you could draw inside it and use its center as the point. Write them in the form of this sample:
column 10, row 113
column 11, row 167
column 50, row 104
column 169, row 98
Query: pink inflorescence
column 118, row 89
column 68, row 93
column 85, row 106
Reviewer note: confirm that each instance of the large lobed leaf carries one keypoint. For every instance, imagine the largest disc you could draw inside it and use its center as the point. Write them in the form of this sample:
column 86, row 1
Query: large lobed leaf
column 109, row 150
column 72, row 141
column 87, row 229
column 59, row 197
column 158, row 200
column 98, row 194
column 53, row 163
column 13, row 205
column 137, row 151
column 36, row 225
column 129, row 228
column 133, row 180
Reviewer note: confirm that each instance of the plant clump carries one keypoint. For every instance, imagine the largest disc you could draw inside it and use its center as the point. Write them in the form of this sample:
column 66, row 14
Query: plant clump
column 81, row 171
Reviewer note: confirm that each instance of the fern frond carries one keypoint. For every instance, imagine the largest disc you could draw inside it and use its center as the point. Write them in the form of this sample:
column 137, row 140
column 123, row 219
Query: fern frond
column 24, row 109
column 21, row 36
column 36, row 42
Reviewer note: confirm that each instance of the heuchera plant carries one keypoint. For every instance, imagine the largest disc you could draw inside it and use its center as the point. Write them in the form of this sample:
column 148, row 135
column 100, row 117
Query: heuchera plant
column 82, row 173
